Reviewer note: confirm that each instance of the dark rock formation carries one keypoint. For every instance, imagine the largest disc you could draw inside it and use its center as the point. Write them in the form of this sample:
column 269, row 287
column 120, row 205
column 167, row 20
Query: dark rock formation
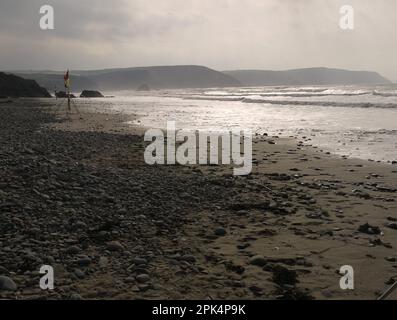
column 91, row 94
column 14, row 86
column 53, row 80
column 63, row 94
column 143, row 87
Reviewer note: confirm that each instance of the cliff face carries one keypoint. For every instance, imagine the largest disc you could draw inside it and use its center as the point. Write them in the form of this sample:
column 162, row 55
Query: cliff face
column 180, row 77
column 310, row 76
column 166, row 77
column 14, row 86
column 54, row 81
column 162, row 77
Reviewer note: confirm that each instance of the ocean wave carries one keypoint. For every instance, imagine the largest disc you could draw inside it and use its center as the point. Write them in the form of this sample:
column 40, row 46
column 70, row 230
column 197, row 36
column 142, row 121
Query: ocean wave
column 308, row 95
column 294, row 93
column 322, row 103
column 385, row 94
column 214, row 98
column 295, row 102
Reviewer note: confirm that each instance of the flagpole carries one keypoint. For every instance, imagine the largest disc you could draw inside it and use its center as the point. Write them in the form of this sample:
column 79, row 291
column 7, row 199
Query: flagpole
column 69, row 98
column 67, row 86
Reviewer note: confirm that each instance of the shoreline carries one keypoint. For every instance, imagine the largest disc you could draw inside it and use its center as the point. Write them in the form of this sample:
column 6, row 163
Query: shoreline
column 196, row 232
column 122, row 123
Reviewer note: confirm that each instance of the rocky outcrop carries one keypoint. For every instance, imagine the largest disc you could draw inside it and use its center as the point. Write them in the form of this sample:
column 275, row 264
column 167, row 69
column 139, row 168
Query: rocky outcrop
column 63, row 94
column 14, row 86
column 162, row 77
column 143, row 87
column 54, row 80
column 91, row 94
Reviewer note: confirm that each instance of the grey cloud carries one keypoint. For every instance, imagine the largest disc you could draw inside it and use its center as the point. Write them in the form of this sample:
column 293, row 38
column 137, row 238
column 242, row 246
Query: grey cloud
column 223, row 34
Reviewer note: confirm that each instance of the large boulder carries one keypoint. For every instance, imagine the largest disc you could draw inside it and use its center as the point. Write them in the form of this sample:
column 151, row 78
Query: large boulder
column 64, row 95
column 91, row 94
column 14, row 86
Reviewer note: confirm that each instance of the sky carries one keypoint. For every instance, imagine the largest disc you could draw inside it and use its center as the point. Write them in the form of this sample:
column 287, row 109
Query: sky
column 220, row 34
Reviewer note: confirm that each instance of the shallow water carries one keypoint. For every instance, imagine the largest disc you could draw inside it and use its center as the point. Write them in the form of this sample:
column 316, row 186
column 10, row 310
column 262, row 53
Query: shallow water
column 355, row 121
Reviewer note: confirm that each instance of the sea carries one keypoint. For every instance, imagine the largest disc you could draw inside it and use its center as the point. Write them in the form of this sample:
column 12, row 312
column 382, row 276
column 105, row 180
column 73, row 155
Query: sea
column 354, row 121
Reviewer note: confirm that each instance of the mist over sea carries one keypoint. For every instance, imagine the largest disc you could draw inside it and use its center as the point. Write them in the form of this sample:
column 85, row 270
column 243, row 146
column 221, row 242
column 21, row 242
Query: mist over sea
column 356, row 121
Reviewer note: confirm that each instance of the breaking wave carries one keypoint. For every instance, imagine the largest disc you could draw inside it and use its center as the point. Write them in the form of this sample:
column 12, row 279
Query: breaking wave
column 296, row 102
column 322, row 103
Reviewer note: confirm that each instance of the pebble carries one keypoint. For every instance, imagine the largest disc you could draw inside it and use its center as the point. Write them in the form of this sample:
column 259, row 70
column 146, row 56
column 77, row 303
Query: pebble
column 188, row 258
column 76, row 296
column 142, row 278
column 130, row 280
column 103, row 262
column 7, row 284
column 114, row 246
column 220, row 232
column 368, row 229
column 79, row 274
column 392, row 226
column 84, row 261
column 139, row 261
column 73, row 250
column 258, row 261
column 80, row 225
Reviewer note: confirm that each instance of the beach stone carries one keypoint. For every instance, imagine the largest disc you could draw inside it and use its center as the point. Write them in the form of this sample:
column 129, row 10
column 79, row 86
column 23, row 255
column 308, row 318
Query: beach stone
column 3, row 270
column 283, row 276
column 50, row 260
column 80, row 225
column 129, row 280
column 79, row 274
column 114, row 246
column 220, row 232
column 76, row 296
column 142, row 278
column 392, row 226
column 139, row 261
column 242, row 246
column 84, row 261
column 103, row 262
column 390, row 259
column 257, row 291
column 188, row 258
column 73, row 250
column 258, row 261
column 368, row 229
column 7, row 284
column 144, row 287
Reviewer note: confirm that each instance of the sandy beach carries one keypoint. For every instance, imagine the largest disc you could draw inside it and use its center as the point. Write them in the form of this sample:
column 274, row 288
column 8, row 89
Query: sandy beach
column 77, row 194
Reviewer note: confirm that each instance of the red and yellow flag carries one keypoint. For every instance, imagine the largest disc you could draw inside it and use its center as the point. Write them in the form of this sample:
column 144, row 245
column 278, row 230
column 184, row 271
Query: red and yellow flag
column 67, row 79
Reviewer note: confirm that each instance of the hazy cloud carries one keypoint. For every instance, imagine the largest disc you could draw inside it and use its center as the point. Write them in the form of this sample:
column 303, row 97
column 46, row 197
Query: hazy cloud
column 222, row 34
